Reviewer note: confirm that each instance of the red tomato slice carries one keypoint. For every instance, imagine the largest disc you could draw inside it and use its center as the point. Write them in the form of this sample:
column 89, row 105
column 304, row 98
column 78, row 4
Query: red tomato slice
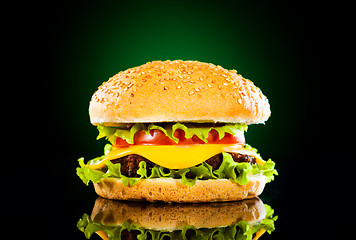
column 157, row 137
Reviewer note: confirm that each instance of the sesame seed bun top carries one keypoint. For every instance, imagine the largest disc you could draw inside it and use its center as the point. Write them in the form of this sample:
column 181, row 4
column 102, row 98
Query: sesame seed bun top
column 178, row 91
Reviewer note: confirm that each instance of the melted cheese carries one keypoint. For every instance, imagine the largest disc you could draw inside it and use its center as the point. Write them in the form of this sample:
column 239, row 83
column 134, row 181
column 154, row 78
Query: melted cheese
column 103, row 235
column 175, row 156
column 259, row 234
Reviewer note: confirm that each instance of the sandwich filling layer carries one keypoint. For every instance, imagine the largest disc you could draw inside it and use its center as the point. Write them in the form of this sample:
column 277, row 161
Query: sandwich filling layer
column 236, row 165
column 180, row 151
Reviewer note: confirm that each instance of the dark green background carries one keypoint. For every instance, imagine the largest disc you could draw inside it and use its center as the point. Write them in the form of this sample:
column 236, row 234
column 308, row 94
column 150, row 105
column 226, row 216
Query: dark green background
column 92, row 42
column 273, row 43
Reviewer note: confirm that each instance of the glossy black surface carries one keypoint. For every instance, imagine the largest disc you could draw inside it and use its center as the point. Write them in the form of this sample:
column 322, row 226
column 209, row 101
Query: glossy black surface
column 290, row 49
column 219, row 220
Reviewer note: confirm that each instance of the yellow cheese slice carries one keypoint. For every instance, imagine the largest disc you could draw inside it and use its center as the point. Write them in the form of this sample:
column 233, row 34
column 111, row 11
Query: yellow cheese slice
column 103, row 235
column 259, row 234
column 175, row 156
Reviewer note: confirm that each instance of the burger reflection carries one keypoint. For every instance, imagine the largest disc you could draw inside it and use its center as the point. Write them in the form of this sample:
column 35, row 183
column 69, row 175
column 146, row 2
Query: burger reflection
column 247, row 219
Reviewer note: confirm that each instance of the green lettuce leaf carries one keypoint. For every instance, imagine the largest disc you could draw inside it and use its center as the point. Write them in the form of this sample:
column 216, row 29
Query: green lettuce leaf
column 267, row 169
column 268, row 222
column 238, row 172
column 241, row 230
column 200, row 130
column 234, row 170
column 86, row 174
column 115, row 171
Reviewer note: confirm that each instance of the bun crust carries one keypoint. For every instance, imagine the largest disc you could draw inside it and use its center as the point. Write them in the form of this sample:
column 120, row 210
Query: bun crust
column 178, row 91
column 173, row 190
column 171, row 217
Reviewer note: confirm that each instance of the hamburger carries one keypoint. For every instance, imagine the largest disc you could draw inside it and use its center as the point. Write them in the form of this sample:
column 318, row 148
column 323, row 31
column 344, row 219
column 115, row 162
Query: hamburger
column 247, row 219
column 176, row 133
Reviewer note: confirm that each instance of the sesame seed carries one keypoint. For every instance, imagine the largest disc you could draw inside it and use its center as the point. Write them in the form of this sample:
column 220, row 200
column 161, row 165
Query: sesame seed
column 196, row 89
column 225, row 84
column 191, row 93
column 209, row 85
column 165, row 88
column 179, row 87
column 239, row 101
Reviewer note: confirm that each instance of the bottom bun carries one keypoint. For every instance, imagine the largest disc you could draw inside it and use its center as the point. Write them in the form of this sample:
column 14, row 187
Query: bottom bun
column 173, row 190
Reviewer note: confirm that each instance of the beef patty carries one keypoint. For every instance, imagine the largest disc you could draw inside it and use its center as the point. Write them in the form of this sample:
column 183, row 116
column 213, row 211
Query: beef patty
column 130, row 163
